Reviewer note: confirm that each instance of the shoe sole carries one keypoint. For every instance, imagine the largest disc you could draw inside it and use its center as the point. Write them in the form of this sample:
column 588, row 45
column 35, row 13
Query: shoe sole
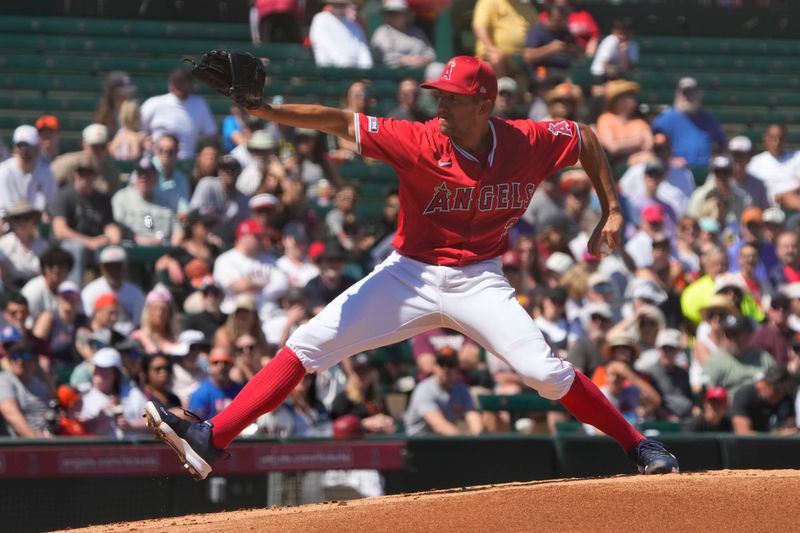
column 191, row 461
column 660, row 468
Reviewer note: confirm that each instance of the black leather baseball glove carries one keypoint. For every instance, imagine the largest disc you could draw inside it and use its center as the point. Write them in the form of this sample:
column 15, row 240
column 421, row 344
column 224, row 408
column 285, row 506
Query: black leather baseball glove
column 237, row 75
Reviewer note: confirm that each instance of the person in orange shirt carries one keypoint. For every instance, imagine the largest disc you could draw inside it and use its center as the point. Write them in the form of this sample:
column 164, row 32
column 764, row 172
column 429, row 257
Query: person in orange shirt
column 622, row 132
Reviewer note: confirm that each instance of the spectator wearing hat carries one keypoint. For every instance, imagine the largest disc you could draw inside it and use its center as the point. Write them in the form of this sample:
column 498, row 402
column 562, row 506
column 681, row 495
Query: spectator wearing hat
column 263, row 162
column 778, row 167
column 617, row 54
column 243, row 320
column 550, row 48
column 113, row 406
column 408, row 108
column 677, row 184
column 253, row 137
column 586, row 354
column 266, row 208
column 766, row 406
column 132, row 356
column 218, row 198
column 41, row 292
column 749, row 263
column 21, row 248
column 156, row 333
column 735, row 363
column 710, row 332
column 626, row 137
column 557, row 264
column 670, row 379
column 500, row 28
column 294, row 262
column 643, row 325
column 577, row 195
column 506, row 107
column 362, row 398
column 775, row 336
column 207, row 317
column 332, row 280
column 788, row 269
column 69, row 406
column 774, row 220
column 104, row 318
column 189, row 359
column 692, row 131
column 715, row 417
column 734, row 286
column 654, row 174
column 157, row 381
column 23, row 177
column 83, row 220
column 741, row 148
column 129, row 140
column 59, row 327
column 113, row 260
column 217, row 390
column 24, row 398
column 751, row 231
column 180, row 112
column 247, row 269
column 136, row 208
column 172, row 190
column 653, row 223
column 398, row 42
column 439, row 403
column 714, row 261
column 116, row 90
column 723, row 184
column 49, row 130
column 563, row 101
column 336, row 40
column 94, row 145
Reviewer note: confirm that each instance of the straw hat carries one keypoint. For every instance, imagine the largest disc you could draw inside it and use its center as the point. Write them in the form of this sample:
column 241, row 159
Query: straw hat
column 718, row 302
column 565, row 90
column 616, row 88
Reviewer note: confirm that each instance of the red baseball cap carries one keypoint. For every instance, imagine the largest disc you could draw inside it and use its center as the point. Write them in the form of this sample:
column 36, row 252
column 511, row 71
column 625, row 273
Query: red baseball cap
column 466, row 75
column 653, row 213
column 251, row 226
column 49, row 122
column 717, row 393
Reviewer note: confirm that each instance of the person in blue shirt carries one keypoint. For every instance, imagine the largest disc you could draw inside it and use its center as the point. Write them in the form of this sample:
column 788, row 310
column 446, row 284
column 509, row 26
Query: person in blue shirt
column 217, row 390
column 550, row 46
column 692, row 131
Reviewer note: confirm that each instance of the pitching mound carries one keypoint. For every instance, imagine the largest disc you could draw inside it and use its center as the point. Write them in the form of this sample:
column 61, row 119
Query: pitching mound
column 728, row 500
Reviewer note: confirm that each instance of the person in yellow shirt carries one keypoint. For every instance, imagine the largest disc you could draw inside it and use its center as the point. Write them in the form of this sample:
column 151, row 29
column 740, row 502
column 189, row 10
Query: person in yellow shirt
column 500, row 27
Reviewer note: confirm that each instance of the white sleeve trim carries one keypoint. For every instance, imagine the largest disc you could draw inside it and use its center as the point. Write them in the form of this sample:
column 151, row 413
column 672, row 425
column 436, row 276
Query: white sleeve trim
column 580, row 140
column 357, row 129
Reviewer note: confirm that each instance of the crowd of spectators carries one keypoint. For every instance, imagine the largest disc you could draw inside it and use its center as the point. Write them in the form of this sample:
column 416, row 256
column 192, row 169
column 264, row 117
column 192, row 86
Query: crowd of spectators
column 251, row 228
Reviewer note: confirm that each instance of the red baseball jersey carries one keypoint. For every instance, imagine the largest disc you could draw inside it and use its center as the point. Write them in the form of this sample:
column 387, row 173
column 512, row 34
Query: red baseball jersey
column 455, row 209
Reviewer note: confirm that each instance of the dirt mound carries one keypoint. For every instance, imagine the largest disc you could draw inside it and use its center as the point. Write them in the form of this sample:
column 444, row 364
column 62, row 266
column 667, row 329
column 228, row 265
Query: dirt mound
column 727, row 500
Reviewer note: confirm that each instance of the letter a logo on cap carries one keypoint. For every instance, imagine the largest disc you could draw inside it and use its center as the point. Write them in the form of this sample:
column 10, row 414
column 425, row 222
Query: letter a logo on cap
column 448, row 71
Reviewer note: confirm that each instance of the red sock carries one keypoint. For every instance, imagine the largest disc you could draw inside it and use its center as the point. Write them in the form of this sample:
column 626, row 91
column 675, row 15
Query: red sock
column 585, row 401
column 265, row 392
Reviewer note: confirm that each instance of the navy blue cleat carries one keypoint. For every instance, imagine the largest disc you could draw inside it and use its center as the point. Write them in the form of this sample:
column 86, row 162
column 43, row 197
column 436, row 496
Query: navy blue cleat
column 651, row 457
column 190, row 440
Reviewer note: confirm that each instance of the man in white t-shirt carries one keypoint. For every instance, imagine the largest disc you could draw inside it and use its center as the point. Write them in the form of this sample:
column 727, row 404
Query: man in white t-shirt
column 179, row 112
column 779, row 168
column 295, row 262
column 338, row 41
column 245, row 268
column 131, row 298
column 23, row 176
column 42, row 291
column 617, row 53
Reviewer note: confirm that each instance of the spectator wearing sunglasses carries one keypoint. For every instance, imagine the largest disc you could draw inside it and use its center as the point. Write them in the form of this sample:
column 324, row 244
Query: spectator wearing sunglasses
column 216, row 391
column 248, row 359
column 172, row 190
column 775, row 336
column 21, row 247
column 24, row 398
column 157, row 380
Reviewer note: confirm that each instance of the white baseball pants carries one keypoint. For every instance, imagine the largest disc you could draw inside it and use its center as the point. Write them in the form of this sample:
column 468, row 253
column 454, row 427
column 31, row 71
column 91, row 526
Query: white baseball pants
column 403, row 297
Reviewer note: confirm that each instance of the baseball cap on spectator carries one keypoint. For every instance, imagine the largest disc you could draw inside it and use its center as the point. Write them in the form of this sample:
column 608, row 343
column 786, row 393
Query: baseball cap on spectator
column 565, row 91
column 621, row 339
column 751, row 215
column 778, row 376
column 653, row 213
column 446, row 357
column 598, row 308
column 189, row 339
column 67, row 396
column 734, row 325
column 670, row 338
column 395, row 5
column 616, row 88
column 21, row 208
column 229, row 163
column 773, row 215
column 559, row 262
column 196, row 270
column 721, row 162
column 506, row 85
column 9, row 335
column 556, row 294
column 107, row 358
column 347, row 427
column 687, row 84
column 512, row 259
column 159, row 293
column 730, row 280
column 144, row 167
column 645, row 289
column 791, row 290
column 218, row 356
column 708, row 224
column 740, row 145
column 95, row 134
column 466, row 75
column 718, row 302
column 654, row 167
column 251, row 226
column 245, row 300
column 69, row 289
column 362, row 360
column 717, row 394
column 26, row 134
column 113, row 254
column 574, row 181
column 653, row 313
column 263, row 201
column 600, row 282
column 48, row 122
column 105, row 300
column 130, row 347
column 261, row 140
column 333, row 252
